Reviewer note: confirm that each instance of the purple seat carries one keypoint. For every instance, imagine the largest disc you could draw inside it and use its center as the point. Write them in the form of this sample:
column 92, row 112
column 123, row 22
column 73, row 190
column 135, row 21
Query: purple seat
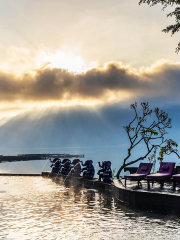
column 176, row 178
column 165, row 172
column 142, row 171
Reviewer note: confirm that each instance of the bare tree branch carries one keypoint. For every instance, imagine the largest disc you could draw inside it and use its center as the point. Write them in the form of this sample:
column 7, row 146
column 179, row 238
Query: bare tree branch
column 152, row 135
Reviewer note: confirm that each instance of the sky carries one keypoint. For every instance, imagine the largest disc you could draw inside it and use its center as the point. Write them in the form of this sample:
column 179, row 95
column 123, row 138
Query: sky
column 87, row 55
column 83, row 53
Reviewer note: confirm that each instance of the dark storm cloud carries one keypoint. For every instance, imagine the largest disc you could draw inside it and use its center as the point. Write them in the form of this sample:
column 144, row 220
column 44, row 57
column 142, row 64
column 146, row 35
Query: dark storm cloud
column 161, row 80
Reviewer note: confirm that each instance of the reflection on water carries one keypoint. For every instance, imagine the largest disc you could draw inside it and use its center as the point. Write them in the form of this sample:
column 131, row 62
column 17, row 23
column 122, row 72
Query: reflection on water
column 37, row 208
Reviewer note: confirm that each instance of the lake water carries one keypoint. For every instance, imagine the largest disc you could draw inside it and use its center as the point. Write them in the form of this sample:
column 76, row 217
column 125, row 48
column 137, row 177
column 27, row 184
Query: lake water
column 38, row 208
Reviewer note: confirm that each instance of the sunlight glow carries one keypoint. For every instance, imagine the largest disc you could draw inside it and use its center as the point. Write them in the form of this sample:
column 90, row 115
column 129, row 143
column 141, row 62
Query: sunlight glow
column 19, row 60
column 9, row 110
column 65, row 61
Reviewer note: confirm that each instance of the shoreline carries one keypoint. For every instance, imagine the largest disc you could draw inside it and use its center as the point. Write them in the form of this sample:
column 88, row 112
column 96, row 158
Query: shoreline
column 22, row 174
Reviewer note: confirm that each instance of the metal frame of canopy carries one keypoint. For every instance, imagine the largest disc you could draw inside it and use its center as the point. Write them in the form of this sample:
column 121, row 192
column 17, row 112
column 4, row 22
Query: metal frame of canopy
column 30, row 157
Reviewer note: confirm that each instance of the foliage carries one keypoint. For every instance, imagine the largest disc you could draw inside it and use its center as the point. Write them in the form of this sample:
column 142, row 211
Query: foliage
column 176, row 13
column 168, row 149
column 142, row 129
column 113, row 174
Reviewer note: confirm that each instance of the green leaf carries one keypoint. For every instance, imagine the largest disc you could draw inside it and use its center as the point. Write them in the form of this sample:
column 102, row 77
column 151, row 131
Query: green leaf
column 149, row 130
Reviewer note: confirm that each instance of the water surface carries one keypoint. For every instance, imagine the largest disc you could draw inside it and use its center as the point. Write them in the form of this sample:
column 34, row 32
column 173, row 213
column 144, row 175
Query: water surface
column 38, row 208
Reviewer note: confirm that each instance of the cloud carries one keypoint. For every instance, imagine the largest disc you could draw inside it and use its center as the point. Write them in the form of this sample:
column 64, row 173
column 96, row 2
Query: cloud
column 112, row 83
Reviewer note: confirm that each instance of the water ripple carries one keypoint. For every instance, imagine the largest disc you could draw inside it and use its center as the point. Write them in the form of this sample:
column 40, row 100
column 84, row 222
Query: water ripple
column 36, row 208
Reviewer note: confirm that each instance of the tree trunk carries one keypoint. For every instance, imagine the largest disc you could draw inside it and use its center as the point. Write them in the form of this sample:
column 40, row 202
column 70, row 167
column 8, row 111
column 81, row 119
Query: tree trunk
column 132, row 162
column 120, row 169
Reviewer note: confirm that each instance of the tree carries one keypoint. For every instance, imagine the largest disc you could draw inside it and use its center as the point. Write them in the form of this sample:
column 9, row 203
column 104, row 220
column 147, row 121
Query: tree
column 151, row 132
column 176, row 13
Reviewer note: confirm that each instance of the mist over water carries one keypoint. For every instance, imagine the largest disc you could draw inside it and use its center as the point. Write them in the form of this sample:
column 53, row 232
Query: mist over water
column 96, row 132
